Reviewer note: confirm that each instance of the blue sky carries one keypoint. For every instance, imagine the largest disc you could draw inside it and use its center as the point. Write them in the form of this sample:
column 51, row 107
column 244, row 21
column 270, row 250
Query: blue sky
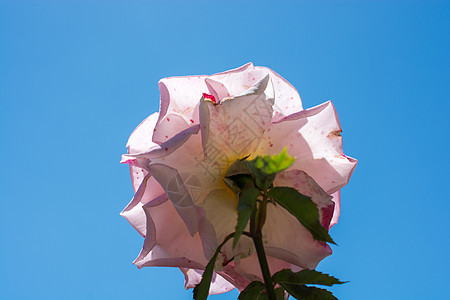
column 76, row 77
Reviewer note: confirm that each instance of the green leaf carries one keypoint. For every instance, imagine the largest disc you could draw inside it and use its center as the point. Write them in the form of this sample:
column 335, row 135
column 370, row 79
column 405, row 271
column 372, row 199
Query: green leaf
column 305, row 277
column 256, row 291
column 263, row 180
column 304, row 292
column 238, row 176
column 238, row 167
column 201, row 290
column 232, row 186
column 247, row 202
column 303, row 208
column 280, row 293
column 252, row 291
column 240, row 182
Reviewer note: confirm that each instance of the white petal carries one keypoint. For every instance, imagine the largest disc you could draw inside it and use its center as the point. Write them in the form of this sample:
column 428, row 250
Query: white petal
column 218, row 284
column 173, row 185
column 313, row 138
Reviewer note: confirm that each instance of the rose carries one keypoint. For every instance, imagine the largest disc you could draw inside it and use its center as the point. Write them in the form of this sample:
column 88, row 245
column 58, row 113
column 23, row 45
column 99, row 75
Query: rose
column 178, row 158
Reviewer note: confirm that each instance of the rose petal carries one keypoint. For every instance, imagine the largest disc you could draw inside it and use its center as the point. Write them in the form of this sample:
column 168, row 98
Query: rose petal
column 174, row 245
column 188, row 160
column 158, row 257
column 221, row 210
column 173, row 185
column 306, row 185
column 250, row 268
column 239, row 124
column 148, row 191
column 218, row 285
column 139, row 141
column 286, row 239
column 313, row 138
column 141, row 138
column 337, row 207
column 150, row 233
column 171, row 124
column 167, row 147
column 217, row 89
column 237, row 279
column 207, row 234
column 180, row 95
column 287, row 100
column 238, row 80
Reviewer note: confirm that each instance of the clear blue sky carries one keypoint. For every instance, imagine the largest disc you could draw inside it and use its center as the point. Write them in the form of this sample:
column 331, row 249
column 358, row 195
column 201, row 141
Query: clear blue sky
column 76, row 77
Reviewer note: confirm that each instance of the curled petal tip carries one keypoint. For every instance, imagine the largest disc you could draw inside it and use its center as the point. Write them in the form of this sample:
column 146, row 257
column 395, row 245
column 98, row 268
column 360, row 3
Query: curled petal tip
column 127, row 160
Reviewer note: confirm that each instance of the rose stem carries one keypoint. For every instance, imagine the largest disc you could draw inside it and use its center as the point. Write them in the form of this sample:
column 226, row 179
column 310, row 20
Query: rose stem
column 257, row 240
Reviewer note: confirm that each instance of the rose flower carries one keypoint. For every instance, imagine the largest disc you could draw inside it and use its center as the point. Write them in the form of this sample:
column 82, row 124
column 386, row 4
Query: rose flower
column 178, row 158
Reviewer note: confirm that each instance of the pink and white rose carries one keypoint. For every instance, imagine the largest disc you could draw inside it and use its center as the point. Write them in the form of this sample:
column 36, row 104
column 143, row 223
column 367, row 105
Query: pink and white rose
column 178, row 158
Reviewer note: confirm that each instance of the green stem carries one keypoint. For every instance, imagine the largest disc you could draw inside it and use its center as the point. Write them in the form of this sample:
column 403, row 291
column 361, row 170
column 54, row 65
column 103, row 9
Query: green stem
column 264, row 268
column 256, row 230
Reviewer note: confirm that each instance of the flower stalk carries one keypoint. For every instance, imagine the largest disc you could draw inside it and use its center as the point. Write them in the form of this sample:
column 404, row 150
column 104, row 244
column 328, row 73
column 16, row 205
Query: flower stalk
column 257, row 240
